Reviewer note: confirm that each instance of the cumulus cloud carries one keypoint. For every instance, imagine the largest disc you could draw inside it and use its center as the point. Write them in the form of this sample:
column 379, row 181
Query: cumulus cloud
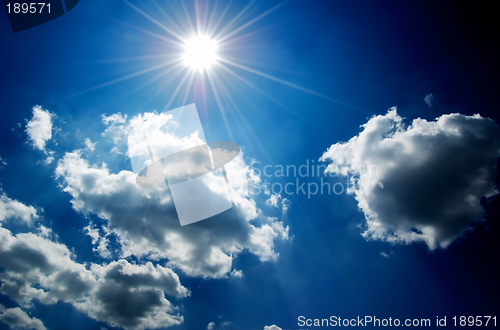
column 211, row 326
column 16, row 318
column 37, row 268
column 145, row 220
column 422, row 182
column 39, row 128
column 133, row 296
column 120, row 293
column 12, row 209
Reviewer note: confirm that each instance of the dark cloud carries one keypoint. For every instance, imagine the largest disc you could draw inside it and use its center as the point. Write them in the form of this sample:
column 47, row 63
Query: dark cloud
column 423, row 182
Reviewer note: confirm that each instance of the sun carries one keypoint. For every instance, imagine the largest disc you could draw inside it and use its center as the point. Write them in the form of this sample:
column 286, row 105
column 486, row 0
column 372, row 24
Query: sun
column 200, row 53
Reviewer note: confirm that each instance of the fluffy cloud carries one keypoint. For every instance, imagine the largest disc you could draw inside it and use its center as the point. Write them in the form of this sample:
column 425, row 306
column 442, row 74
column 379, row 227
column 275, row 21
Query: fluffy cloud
column 145, row 220
column 39, row 128
column 120, row 293
column 133, row 296
column 37, row 268
column 12, row 209
column 423, row 182
column 16, row 318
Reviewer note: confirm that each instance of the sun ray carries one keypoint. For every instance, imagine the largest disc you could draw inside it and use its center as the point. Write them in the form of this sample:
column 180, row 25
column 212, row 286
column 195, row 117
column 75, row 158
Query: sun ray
column 188, row 87
column 197, row 16
column 170, row 19
column 156, row 35
column 223, row 113
column 247, row 24
column 155, row 21
column 132, row 75
column 158, row 76
column 243, row 118
column 170, row 78
column 239, row 77
column 205, row 16
column 235, row 18
column 284, row 82
column 186, row 75
column 246, row 35
column 212, row 31
column 188, row 19
column 129, row 59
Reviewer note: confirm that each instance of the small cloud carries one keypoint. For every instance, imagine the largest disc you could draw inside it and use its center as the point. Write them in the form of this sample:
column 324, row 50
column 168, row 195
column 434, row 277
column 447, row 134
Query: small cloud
column 89, row 145
column 116, row 118
column 272, row 327
column 211, row 326
column 236, row 274
column 428, row 99
column 273, row 200
column 39, row 128
column 383, row 254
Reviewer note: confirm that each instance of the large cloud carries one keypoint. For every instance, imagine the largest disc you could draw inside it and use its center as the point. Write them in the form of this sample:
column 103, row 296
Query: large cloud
column 145, row 220
column 423, row 182
column 16, row 318
column 120, row 293
column 39, row 128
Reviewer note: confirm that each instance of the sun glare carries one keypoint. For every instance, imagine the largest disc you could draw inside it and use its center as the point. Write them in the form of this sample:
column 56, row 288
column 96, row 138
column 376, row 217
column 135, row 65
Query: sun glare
column 200, row 52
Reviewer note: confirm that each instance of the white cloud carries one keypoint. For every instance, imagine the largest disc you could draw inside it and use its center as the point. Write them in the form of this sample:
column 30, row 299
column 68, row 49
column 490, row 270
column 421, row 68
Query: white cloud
column 236, row 274
column 120, row 293
column 273, row 200
column 39, row 128
column 89, row 145
column 37, row 268
column 272, row 327
column 114, row 118
column 16, row 318
column 422, row 182
column 211, row 326
column 383, row 254
column 145, row 222
column 12, row 209
column 100, row 241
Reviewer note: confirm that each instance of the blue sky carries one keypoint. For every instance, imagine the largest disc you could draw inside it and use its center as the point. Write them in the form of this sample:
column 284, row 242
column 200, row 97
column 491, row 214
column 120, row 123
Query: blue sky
column 341, row 81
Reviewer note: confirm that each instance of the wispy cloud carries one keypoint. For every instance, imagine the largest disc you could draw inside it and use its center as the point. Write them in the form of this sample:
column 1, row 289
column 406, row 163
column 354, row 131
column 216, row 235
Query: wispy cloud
column 428, row 99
